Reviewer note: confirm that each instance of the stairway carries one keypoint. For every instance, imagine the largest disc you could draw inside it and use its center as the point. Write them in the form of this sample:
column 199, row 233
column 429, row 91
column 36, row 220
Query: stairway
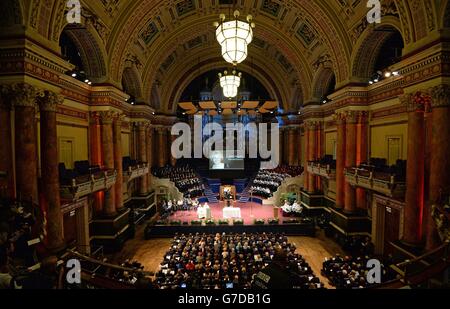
column 212, row 198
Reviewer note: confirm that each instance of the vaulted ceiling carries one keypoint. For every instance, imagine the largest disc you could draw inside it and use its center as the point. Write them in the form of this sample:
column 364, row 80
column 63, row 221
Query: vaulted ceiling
column 157, row 47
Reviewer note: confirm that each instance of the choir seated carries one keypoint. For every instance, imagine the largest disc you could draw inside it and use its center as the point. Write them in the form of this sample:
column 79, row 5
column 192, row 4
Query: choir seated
column 185, row 178
column 292, row 210
column 267, row 182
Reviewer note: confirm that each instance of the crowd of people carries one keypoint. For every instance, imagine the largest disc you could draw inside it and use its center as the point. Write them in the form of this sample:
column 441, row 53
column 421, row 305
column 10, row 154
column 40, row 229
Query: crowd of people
column 350, row 272
column 267, row 182
column 221, row 261
column 134, row 276
column 185, row 179
column 292, row 171
column 185, row 204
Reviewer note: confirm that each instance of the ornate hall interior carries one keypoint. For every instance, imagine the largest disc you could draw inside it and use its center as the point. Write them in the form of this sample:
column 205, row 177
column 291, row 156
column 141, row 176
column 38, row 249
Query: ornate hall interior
column 353, row 102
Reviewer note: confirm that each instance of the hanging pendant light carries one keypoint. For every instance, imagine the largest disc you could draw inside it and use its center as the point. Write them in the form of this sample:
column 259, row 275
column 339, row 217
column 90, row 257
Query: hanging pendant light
column 234, row 37
column 230, row 83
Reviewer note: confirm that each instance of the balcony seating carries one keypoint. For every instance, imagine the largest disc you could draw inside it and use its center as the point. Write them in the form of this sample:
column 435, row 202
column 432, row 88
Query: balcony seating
column 133, row 169
column 84, row 179
column 379, row 177
column 325, row 167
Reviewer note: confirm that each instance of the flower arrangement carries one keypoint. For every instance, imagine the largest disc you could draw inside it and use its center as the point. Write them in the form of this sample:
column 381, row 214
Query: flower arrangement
column 223, row 222
column 273, row 221
column 175, row 222
column 238, row 222
column 210, row 222
column 196, row 222
column 259, row 221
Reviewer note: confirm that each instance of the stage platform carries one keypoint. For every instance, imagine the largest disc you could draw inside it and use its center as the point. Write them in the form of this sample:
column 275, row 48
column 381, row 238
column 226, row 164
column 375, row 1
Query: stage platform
column 249, row 213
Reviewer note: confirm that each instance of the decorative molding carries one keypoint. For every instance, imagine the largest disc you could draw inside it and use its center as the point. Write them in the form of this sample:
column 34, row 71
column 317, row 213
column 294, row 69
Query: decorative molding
column 441, row 96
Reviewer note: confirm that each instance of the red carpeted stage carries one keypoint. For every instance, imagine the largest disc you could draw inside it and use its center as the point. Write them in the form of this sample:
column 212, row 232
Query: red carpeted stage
column 249, row 212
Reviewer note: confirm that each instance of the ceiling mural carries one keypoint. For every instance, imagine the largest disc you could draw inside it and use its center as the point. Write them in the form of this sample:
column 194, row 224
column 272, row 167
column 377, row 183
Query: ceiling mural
column 159, row 34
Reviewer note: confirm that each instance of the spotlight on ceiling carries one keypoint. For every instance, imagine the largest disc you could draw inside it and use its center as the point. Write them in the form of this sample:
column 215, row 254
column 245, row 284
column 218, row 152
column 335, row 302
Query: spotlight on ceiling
column 388, row 74
column 395, row 73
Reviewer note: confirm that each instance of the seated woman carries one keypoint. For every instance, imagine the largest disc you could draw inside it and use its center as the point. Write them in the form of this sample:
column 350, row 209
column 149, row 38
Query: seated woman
column 286, row 208
column 296, row 208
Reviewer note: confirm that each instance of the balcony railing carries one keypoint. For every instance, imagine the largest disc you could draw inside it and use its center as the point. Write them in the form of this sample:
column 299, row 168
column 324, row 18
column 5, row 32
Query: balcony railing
column 383, row 183
column 134, row 172
column 323, row 170
column 85, row 185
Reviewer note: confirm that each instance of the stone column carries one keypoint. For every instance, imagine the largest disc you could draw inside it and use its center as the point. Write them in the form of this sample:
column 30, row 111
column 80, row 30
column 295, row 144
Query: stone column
column 286, row 146
column 319, row 150
column 439, row 181
column 7, row 186
column 161, row 143
column 306, row 177
column 149, row 157
column 299, row 146
column 118, row 160
column 292, row 146
column 350, row 159
column 340, row 161
column 106, row 120
column 95, row 155
column 312, row 185
column 281, row 145
column 361, row 156
column 48, row 104
column 23, row 97
column 412, row 233
column 142, row 138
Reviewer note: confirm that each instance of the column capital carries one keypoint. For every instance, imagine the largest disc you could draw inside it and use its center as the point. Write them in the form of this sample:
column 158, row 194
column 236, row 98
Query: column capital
column 363, row 117
column 339, row 118
column 441, row 96
column 23, row 95
column 310, row 124
column 119, row 118
column 351, row 117
column 142, row 125
column 48, row 101
column 107, row 117
column 416, row 102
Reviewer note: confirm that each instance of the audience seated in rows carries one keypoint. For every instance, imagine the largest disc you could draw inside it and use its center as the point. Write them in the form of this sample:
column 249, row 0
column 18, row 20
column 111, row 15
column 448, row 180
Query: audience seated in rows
column 350, row 272
column 220, row 261
column 185, row 179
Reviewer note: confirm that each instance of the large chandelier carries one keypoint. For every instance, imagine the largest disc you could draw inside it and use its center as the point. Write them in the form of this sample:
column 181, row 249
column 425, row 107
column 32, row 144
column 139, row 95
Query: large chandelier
column 230, row 83
column 234, row 37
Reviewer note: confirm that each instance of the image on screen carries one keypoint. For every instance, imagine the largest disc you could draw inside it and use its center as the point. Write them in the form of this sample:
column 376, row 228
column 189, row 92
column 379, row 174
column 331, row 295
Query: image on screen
column 218, row 161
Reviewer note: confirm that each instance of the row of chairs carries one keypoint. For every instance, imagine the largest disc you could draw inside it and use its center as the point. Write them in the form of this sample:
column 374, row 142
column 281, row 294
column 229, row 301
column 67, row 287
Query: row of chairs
column 83, row 168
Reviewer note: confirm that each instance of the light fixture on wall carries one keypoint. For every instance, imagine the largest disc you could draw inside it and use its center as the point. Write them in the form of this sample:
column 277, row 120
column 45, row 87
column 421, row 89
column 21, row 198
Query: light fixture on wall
column 234, row 37
column 230, row 83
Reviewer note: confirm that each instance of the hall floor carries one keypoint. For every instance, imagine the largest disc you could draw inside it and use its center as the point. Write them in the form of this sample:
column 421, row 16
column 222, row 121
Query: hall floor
column 150, row 252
